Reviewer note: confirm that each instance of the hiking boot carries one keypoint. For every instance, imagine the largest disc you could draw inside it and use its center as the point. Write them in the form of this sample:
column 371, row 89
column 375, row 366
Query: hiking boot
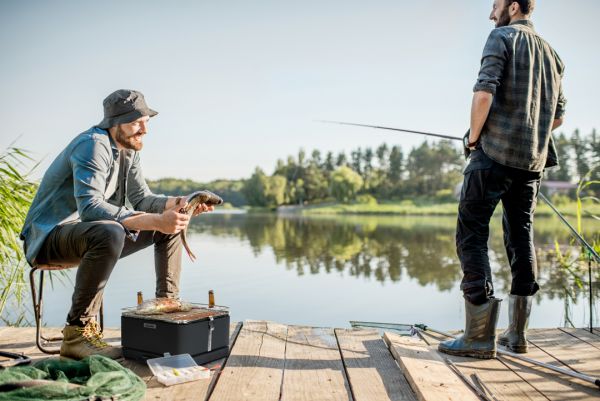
column 515, row 336
column 479, row 339
column 79, row 342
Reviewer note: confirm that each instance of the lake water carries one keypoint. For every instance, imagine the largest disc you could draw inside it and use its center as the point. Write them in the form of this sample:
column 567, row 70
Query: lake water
column 325, row 271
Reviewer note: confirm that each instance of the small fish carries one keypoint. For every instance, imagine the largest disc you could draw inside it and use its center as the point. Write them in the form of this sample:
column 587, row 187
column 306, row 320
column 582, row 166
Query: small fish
column 162, row 305
column 193, row 201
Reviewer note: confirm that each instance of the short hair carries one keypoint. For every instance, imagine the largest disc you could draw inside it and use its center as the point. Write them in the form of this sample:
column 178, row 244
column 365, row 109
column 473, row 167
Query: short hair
column 526, row 6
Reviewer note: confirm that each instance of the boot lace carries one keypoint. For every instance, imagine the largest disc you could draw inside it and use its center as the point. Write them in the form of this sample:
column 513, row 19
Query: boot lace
column 91, row 332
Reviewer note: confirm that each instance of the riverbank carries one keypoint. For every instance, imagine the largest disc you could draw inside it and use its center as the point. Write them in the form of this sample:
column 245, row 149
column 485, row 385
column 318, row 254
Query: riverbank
column 411, row 208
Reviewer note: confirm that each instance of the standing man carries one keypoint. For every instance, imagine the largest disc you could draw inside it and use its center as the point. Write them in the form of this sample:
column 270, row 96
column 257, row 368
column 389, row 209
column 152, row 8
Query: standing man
column 79, row 217
column 517, row 102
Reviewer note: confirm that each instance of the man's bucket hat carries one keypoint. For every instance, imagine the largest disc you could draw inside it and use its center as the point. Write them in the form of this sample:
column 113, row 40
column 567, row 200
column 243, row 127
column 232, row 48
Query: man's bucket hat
column 124, row 106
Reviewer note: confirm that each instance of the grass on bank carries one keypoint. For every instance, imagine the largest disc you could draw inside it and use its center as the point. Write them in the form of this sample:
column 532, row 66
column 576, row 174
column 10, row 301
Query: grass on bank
column 425, row 208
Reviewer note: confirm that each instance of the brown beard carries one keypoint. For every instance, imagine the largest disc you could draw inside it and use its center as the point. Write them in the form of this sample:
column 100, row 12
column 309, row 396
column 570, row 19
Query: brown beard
column 504, row 18
column 127, row 142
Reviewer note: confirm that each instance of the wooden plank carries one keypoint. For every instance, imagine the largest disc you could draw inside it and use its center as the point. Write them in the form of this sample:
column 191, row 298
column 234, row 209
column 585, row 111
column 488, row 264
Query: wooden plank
column 569, row 350
column 584, row 335
column 254, row 369
column 372, row 371
column 554, row 386
column 429, row 376
column 313, row 366
column 500, row 379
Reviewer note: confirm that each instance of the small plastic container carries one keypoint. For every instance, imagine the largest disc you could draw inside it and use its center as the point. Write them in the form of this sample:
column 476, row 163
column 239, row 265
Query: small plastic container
column 174, row 369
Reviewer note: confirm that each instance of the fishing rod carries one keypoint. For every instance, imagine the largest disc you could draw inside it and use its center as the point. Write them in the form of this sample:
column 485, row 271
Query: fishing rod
column 590, row 250
column 455, row 138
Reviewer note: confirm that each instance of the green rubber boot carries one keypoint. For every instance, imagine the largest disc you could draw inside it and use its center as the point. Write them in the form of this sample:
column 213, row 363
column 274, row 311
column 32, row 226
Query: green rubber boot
column 479, row 339
column 515, row 336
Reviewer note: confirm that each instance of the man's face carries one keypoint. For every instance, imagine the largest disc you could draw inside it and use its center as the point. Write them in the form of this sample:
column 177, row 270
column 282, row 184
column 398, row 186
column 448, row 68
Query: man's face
column 500, row 14
column 130, row 135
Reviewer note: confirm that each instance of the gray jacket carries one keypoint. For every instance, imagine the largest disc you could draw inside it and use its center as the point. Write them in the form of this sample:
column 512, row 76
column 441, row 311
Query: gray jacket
column 76, row 182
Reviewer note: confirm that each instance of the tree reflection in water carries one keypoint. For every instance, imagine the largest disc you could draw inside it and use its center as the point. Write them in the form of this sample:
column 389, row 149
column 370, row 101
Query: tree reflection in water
column 386, row 248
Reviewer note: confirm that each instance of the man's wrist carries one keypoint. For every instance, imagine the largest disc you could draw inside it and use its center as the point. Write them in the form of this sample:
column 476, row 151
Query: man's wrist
column 468, row 143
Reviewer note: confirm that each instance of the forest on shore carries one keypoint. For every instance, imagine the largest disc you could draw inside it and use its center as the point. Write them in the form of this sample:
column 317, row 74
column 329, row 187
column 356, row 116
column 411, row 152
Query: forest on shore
column 430, row 172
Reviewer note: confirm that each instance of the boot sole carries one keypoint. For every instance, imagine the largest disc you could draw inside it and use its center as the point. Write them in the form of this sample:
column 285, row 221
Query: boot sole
column 517, row 349
column 472, row 354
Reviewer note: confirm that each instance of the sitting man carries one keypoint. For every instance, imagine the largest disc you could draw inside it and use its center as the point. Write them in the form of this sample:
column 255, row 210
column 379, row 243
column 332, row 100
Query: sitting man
column 79, row 217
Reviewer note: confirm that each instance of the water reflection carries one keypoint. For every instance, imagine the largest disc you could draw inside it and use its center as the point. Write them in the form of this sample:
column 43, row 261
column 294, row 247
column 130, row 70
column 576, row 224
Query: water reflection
column 388, row 268
column 389, row 248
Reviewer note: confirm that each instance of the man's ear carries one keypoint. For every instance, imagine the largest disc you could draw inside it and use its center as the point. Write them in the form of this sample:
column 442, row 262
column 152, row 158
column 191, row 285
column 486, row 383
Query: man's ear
column 514, row 8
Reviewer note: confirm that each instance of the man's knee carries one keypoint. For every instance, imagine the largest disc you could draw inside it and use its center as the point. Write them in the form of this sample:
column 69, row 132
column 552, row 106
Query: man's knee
column 108, row 235
column 477, row 292
column 524, row 289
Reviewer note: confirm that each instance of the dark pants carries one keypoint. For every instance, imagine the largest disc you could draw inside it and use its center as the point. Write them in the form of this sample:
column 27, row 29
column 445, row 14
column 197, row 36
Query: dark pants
column 485, row 184
column 96, row 247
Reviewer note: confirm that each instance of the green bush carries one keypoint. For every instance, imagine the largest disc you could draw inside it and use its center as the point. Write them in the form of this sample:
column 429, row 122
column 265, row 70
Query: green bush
column 366, row 199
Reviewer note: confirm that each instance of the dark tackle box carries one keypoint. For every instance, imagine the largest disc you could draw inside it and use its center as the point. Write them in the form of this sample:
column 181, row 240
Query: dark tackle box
column 201, row 332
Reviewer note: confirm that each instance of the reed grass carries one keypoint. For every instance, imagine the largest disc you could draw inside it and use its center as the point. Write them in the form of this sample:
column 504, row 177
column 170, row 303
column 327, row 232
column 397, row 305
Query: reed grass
column 16, row 193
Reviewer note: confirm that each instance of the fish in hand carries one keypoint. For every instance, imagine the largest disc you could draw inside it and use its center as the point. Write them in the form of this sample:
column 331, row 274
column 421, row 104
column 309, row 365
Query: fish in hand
column 193, row 201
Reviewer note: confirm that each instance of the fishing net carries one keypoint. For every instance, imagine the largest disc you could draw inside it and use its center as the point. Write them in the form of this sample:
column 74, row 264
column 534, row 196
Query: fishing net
column 93, row 378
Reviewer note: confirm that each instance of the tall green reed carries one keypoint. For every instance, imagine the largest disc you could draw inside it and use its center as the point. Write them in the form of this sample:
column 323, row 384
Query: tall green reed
column 16, row 193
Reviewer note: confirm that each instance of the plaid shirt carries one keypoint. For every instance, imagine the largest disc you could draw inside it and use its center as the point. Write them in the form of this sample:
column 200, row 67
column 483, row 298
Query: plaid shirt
column 524, row 74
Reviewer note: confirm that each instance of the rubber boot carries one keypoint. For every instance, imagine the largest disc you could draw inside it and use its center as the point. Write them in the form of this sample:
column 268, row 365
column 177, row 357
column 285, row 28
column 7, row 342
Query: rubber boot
column 515, row 336
column 479, row 339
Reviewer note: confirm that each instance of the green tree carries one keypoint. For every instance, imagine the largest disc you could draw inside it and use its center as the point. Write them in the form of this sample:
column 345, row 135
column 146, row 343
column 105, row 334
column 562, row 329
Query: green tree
column 262, row 190
column 315, row 157
column 562, row 172
column 396, row 165
column 254, row 188
column 275, row 190
column 315, row 183
column 382, row 156
column 357, row 159
column 580, row 152
column 341, row 160
column 329, row 164
column 345, row 183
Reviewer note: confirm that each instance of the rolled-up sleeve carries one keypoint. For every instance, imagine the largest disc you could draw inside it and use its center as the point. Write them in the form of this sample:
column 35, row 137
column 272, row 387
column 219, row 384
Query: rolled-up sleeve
column 91, row 162
column 139, row 193
column 561, row 100
column 493, row 60
column 560, row 104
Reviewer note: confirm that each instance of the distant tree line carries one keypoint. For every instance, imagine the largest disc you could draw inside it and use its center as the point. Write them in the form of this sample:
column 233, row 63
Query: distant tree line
column 578, row 155
column 431, row 170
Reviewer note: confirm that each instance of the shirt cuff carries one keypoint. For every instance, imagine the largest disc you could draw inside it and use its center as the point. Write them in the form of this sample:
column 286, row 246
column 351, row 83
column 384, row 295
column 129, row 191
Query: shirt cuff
column 489, row 88
column 124, row 213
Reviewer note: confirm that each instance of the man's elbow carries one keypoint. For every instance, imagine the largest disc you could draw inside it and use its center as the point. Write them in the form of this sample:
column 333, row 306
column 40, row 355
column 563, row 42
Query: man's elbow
column 557, row 122
column 482, row 98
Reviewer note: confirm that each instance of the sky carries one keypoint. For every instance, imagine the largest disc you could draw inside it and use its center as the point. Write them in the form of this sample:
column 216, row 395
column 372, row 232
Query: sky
column 240, row 84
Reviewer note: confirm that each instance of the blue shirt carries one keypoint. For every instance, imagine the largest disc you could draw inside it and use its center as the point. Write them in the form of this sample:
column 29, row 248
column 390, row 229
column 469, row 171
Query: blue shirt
column 77, row 181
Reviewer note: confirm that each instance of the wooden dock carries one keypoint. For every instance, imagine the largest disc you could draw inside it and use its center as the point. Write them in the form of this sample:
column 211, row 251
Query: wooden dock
column 272, row 361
